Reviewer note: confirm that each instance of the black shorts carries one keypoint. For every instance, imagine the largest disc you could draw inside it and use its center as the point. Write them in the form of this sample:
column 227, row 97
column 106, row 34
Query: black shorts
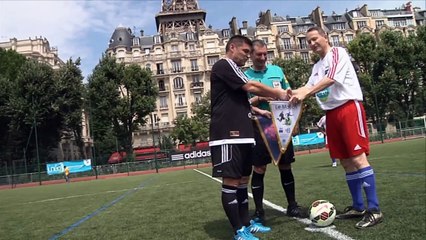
column 261, row 154
column 231, row 160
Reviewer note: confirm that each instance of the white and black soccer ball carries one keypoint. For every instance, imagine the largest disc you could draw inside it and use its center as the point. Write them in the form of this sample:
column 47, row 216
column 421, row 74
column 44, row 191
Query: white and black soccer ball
column 322, row 213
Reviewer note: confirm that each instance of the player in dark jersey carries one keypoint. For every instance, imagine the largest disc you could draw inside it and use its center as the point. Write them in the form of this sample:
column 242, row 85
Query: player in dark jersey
column 231, row 133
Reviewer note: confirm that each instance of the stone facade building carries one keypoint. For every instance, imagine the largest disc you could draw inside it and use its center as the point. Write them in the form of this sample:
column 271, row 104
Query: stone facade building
column 184, row 49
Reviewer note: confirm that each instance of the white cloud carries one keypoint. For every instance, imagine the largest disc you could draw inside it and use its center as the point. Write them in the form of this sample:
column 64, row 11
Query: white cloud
column 77, row 28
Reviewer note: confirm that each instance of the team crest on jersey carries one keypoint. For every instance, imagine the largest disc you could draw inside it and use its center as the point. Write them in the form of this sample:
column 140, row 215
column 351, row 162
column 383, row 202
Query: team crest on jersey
column 323, row 95
column 276, row 84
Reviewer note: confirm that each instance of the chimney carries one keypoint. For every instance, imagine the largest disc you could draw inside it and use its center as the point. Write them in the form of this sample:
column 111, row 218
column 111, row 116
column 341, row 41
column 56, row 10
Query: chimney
column 141, row 33
column 245, row 24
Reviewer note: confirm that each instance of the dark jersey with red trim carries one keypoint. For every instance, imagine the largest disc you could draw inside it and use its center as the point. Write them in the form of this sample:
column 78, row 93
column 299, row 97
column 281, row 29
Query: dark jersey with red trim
column 230, row 109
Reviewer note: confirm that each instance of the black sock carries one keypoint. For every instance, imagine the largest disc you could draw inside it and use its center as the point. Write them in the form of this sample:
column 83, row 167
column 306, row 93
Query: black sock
column 287, row 181
column 230, row 205
column 257, row 189
column 243, row 204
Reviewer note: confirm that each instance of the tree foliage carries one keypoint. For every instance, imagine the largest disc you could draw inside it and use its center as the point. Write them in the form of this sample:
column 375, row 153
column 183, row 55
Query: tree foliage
column 121, row 97
column 189, row 131
column 391, row 74
column 297, row 73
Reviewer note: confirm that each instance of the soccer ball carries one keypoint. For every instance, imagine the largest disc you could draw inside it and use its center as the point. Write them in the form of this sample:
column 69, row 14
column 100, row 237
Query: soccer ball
column 322, row 213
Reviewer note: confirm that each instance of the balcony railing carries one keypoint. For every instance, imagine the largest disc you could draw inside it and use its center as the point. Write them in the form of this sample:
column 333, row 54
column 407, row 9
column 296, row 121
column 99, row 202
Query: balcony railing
column 177, row 70
column 197, row 85
column 164, row 88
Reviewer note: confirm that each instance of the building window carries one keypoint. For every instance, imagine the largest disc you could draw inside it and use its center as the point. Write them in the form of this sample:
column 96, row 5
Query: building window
column 157, row 39
column 194, row 65
column 212, row 60
column 161, row 85
column 198, row 97
column 335, row 41
column 349, row 38
column 225, row 33
column 196, row 79
column 164, row 103
column 180, row 100
column 287, row 43
column 282, row 29
column 305, row 56
column 361, row 24
column 174, row 48
column 288, row 55
column 191, row 47
column 136, row 41
column 380, row 23
column 190, row 36
column 176, row 66
column 271, row 55
column 338, row 26
column 178, row 83
column 302, row 43
column 173, row 35
column 265, row 40
column 148, row 66
column 160, row 69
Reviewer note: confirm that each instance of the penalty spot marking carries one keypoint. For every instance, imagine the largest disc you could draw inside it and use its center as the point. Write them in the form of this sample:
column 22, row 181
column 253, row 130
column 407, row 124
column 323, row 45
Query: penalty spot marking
column 329, row 231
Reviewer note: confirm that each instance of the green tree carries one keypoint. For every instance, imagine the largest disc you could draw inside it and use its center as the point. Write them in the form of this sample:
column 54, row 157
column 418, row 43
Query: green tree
column 10, row 65
column 297, row 73
column 121, row 97
column 34, row 99
column 189, row 131
column 69, row 80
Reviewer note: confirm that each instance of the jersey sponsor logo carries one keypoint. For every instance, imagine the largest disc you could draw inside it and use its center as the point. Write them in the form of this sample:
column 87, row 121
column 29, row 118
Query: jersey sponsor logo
column 234, row 133
column 323, row 95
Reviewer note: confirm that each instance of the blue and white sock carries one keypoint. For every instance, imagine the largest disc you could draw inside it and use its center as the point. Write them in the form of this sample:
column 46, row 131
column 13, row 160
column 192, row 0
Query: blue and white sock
column 368, row 181
column 354, row 184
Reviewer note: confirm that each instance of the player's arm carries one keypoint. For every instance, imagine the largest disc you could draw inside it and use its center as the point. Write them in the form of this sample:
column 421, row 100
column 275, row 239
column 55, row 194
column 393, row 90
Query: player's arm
column 262, row 112
column 260, row 89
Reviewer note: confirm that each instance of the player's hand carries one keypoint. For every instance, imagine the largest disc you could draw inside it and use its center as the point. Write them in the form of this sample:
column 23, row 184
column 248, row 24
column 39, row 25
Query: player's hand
column 283, row 95
column 298, row 95
column 266, row 113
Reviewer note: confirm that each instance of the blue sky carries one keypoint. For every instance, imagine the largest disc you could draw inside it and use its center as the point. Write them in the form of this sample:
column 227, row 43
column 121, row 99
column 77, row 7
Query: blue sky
column 83, row 28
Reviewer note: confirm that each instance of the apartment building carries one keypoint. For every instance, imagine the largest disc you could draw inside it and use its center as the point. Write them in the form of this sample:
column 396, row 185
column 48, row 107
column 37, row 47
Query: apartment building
column 183, row 51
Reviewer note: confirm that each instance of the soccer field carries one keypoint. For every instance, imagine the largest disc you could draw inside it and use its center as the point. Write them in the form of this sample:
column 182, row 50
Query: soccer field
column 186, row 204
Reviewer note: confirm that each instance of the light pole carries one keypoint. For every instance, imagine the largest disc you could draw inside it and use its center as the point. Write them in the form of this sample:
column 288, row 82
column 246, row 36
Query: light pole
column 153, row 142
column 36, row 142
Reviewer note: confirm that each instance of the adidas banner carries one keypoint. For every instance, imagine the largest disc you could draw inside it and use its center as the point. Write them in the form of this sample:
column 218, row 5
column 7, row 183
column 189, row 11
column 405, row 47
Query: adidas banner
column 277, row 132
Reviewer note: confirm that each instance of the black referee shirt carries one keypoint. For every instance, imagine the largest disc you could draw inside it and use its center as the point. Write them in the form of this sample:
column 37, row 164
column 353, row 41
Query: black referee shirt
column 230, row 108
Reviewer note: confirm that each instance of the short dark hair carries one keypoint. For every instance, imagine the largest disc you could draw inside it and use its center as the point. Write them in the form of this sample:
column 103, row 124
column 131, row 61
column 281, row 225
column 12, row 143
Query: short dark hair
column 238, row 40
column 318, row 29
column 258, row 42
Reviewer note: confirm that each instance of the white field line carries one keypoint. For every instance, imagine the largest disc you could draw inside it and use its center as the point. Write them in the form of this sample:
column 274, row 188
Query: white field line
column 329, row 231
column 106, row 192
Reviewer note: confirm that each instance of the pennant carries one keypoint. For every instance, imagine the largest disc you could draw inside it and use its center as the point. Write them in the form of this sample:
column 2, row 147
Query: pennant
column 269, row 137
column 277, row 132
column 285, row 117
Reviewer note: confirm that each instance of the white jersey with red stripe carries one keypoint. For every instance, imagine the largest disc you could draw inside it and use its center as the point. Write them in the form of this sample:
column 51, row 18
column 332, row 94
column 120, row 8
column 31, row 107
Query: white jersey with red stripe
column 336, row 65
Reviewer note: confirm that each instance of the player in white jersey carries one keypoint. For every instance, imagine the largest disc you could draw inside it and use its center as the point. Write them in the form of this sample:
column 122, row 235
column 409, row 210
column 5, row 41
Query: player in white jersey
column 334, row 83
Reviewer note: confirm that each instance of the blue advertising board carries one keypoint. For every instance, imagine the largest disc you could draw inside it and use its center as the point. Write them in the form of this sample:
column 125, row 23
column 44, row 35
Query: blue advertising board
column 74, row 166
column 308, row 139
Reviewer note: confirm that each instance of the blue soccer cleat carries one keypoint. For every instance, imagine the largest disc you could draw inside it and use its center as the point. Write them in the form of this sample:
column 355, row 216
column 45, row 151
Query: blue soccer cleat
column 256, row 227
column 244, row 234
